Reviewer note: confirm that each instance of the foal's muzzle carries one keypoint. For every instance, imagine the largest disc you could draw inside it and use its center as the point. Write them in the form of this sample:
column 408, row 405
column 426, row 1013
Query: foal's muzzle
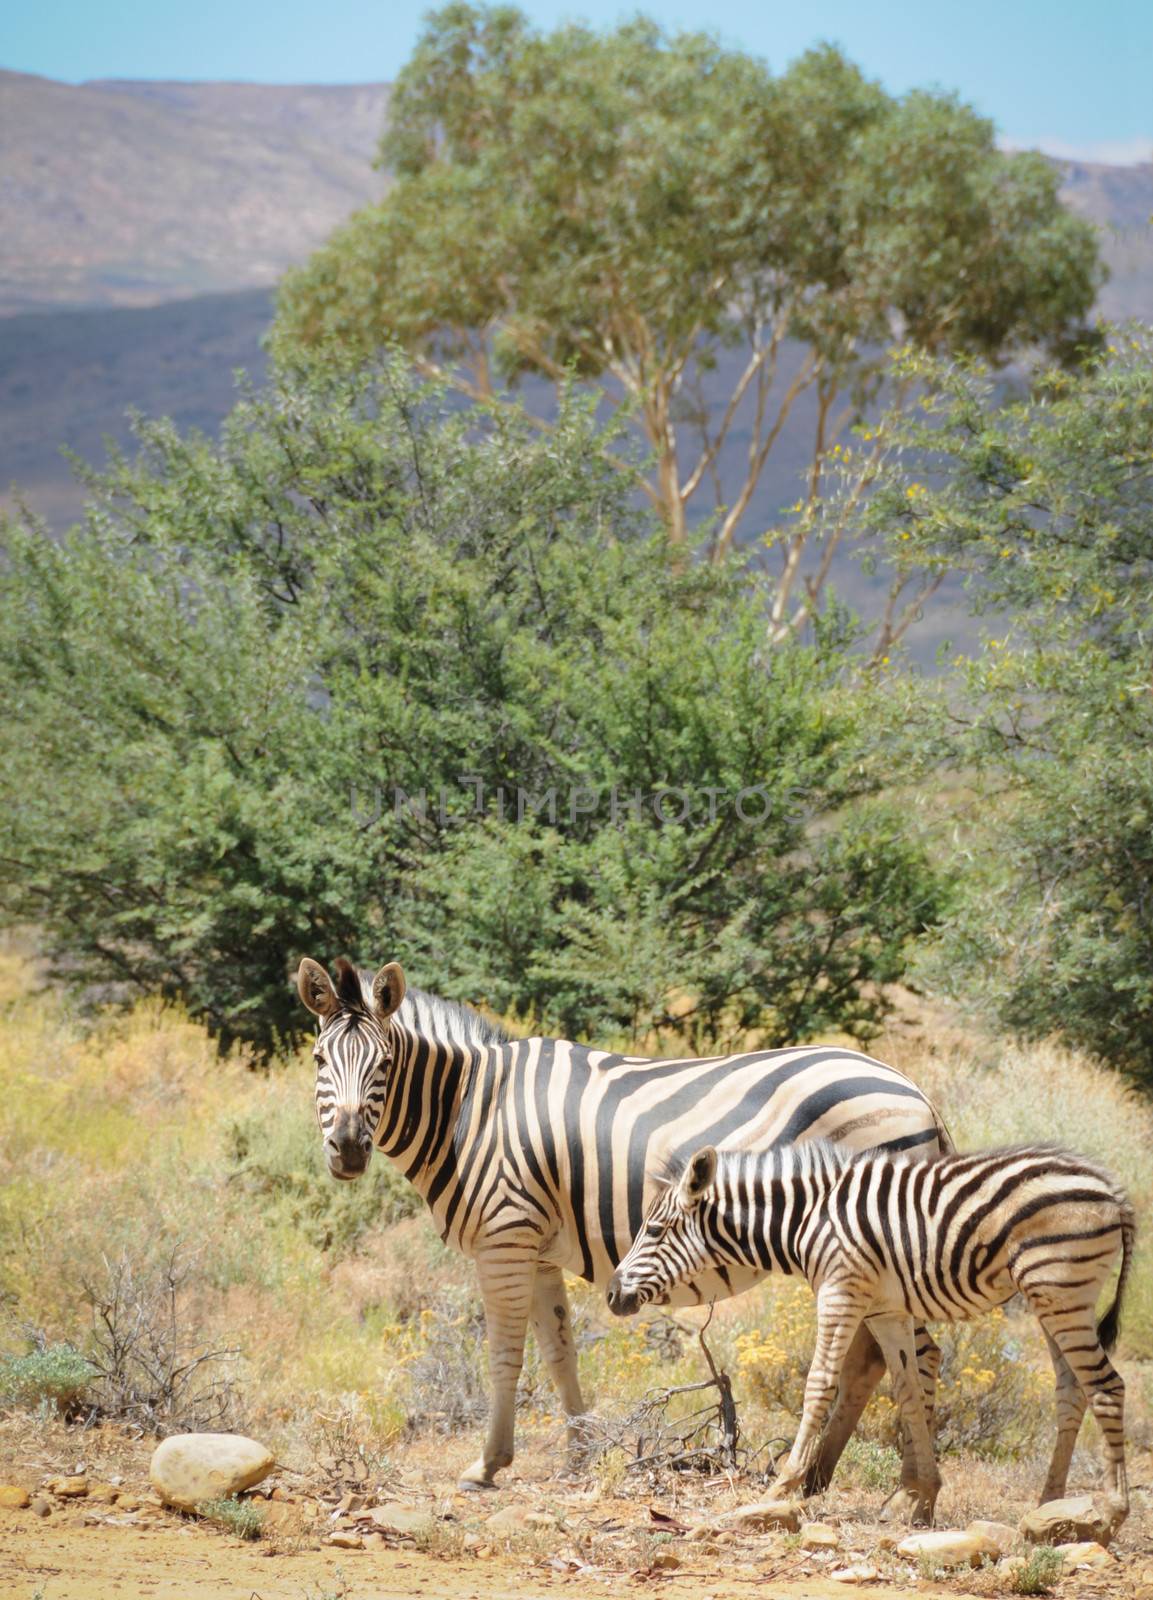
column 623, row 1300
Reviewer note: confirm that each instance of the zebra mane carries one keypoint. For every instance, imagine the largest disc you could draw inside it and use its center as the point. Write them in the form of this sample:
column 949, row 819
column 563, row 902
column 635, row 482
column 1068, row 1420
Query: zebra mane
column 451, row 1021
column 430, row 1016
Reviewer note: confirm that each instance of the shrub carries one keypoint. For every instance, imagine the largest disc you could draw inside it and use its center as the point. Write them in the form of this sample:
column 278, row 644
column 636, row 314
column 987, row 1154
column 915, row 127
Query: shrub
column 276, row 1158
column 1039, row 1572
column 244, row 1518
column 56, row 1374
column 354, row 592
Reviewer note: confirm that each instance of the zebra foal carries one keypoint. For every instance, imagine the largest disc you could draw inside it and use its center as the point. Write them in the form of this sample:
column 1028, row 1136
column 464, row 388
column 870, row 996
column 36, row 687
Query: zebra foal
column 886, row 1241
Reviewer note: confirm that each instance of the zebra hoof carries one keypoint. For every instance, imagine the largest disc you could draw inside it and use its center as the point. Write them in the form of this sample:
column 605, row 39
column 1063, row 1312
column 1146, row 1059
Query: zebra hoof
column 908, row 1507
column 476, row 1485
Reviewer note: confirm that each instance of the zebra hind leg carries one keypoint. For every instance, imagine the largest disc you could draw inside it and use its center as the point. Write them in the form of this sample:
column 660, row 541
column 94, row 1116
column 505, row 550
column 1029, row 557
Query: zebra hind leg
column 916, row 1499
column 552, row 1325
column 1074, row 1333
column 1071, row 1403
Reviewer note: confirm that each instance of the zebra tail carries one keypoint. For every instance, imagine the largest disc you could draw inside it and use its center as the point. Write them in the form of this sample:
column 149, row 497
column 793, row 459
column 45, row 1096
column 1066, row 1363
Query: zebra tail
column 1110, row 1324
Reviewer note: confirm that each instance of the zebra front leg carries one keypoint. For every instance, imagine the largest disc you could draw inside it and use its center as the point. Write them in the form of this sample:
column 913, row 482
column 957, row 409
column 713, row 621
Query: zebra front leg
column 838, row 1318
column 863, row 1369
column 552, row 1325
column 506, row 1286
column 916, row 1499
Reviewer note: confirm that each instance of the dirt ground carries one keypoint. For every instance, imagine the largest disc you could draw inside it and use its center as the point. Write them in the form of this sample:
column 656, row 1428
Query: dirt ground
column 573, row 1540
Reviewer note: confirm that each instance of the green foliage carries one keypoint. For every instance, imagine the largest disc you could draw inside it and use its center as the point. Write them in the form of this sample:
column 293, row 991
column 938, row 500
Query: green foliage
column 628, row 205
column 243, row 1518
column 275, row 1161
column 57, row 1374
column 1047, row 505
column 212, row 684
column 1040, row 1572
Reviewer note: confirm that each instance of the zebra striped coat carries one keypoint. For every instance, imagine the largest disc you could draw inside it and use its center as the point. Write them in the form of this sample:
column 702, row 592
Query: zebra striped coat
column 892, row 1239
column 532, row 1154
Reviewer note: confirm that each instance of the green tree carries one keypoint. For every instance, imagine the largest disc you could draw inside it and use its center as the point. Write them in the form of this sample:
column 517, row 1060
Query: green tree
column 1046, row 504
column 638, row 209
column 208, row 682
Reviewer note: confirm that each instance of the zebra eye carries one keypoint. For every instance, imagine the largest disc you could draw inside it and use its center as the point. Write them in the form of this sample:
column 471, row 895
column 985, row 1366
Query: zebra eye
column 655, row 1230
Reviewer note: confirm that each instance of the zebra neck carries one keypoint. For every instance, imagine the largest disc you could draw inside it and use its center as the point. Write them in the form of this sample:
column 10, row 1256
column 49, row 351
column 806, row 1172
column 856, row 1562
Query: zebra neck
column 775, row 1204
column 428, row 1083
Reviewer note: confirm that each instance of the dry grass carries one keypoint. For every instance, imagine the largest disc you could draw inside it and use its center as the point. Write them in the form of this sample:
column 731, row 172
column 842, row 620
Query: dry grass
column 359, row 1335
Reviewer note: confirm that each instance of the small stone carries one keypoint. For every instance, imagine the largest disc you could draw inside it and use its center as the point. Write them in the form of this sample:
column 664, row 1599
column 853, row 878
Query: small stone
column 13, row 1498
column 128, row 1502
column 397, row 1518
column 998, row 1533
column 104, row 1493
column 763, row 1516
column 374, row 1541
column 819, row 1536
column 1080, row 1517
column 68, row 1488
column 665, row 1561
column 949, row 1548
column 41, row 1507
column 509, row 1520
column 472, row 1541
column 350, row 1504
column 345, row 1540
column 861, row 1572
column 1086, row 1553
column 191, row 1467
column 540, row 1519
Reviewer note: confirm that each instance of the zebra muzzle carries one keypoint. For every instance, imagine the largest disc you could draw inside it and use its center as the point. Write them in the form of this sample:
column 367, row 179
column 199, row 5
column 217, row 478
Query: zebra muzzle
column 348, row 1147
column 622, row 1301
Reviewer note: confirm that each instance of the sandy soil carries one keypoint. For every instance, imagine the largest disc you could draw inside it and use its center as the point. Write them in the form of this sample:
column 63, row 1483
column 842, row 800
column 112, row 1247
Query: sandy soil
column 115, row 1543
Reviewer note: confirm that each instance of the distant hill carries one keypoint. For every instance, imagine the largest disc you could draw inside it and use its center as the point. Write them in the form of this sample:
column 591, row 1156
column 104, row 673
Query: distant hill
column 129, row 194
column 142, row 226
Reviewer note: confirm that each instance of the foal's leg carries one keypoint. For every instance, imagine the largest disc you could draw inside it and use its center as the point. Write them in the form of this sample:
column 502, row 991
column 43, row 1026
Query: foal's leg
column 838, row 1318
column 1074, row 1332
column 863, row 1369
column 1071, row 1403
column 920, row 1478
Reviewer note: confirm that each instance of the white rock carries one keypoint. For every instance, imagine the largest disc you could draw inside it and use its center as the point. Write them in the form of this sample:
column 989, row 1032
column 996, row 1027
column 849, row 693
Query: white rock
column 1079, row 1518
column 1000, row 1533
column 189, row 1468
column 948, row 1548
column 1086, row 1553
column 819, row 1536
column 862, row 1572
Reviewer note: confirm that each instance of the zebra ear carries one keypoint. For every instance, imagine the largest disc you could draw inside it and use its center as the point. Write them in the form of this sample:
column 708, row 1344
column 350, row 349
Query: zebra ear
column 388, row 989
column 698, row 1175
column 315, row 988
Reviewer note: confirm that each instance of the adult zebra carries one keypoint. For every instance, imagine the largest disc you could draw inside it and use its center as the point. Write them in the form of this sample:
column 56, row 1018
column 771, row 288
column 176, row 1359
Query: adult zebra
column 532, row 1155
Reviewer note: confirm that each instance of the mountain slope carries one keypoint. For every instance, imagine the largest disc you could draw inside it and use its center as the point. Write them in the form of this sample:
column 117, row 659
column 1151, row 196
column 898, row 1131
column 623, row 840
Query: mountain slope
column 131, row 194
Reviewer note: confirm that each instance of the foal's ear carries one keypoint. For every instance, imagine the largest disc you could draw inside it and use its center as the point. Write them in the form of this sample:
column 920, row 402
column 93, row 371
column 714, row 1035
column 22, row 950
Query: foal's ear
column 698, row 1175
column 388, row 989
column 315, row 988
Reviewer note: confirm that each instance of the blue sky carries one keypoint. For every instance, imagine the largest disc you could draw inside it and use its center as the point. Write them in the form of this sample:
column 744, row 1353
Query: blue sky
column 1074, row 76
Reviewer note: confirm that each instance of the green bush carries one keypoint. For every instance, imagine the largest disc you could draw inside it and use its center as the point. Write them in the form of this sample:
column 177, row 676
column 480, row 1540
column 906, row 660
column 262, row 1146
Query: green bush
column 278, row 1161
column 244, row 1518
column 1046, row 505
column 57, row 1374
column 357, row 593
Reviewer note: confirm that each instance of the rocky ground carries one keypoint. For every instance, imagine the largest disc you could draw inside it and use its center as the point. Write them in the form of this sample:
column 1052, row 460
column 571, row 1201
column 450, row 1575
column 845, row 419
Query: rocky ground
column 79, row 1520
